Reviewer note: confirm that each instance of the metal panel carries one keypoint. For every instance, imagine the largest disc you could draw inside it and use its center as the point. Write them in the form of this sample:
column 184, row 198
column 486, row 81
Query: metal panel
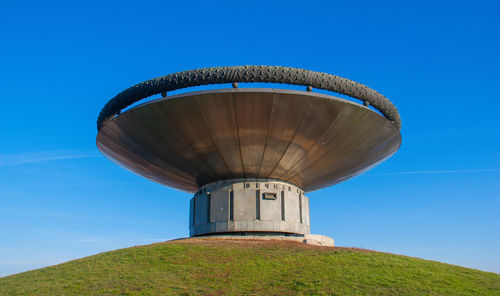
column 219, row 206
column 244, row 205
column 308, row 139
column 253, row 114
column 217, row 110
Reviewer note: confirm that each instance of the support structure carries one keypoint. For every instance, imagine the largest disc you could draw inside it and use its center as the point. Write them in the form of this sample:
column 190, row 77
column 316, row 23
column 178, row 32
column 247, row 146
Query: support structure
column 249, row 206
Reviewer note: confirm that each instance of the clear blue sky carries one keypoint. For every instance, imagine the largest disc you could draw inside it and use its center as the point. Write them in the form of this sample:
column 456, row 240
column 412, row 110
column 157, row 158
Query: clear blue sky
column 438, row 61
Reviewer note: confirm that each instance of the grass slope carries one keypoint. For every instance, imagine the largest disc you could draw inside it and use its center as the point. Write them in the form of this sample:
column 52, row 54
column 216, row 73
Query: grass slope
column 213, row 267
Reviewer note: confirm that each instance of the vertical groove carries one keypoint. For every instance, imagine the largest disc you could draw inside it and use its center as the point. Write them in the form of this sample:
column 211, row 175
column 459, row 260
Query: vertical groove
column 282, row 205
column 300, row 207
column 209, row 204
column 194, row 210
column 231, row 205
column 257, row 204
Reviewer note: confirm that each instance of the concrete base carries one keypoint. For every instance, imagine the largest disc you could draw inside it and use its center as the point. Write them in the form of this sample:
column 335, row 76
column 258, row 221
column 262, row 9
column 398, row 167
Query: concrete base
column 311, row 239
column 249, row 206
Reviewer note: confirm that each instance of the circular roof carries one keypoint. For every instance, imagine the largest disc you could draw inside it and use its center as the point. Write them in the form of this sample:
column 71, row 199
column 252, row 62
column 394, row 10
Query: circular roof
column 308, row 139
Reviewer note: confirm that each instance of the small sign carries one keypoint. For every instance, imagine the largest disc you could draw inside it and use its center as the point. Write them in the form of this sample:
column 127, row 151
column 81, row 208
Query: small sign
column 269, row 195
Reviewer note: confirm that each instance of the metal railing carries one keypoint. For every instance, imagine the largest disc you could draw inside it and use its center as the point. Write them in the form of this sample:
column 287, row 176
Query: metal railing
column 268, row 74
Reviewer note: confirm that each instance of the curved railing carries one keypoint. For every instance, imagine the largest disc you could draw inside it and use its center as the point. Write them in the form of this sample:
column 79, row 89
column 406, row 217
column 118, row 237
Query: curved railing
column 269, row 74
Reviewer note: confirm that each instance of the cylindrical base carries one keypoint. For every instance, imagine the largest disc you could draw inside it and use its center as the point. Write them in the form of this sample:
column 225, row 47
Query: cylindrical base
column 249, row 206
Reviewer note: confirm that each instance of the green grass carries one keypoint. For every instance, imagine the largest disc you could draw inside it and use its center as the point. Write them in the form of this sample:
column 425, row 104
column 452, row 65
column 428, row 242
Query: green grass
column 200, row 267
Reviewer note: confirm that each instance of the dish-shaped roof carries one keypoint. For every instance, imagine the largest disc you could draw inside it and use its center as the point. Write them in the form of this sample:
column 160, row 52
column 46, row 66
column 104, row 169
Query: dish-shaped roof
column 308, row 139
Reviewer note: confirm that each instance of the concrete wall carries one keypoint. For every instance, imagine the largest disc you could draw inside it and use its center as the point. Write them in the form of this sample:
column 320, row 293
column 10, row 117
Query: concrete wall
column 249, row 206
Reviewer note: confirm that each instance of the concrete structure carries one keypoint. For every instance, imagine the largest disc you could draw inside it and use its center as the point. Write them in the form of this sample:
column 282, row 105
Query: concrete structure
column 249, row 155
column 249, row 206
column 311, row 239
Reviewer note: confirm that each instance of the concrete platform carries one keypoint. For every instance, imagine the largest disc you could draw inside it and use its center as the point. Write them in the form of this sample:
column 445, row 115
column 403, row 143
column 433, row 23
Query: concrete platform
column 310, row 239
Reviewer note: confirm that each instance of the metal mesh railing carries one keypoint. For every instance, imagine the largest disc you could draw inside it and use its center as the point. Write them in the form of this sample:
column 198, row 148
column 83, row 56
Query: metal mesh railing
column 269, row 74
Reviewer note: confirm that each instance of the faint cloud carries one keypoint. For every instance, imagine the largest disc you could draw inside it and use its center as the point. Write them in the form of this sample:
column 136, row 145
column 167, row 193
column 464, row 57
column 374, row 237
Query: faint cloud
column 42, row 156
column 439, row 172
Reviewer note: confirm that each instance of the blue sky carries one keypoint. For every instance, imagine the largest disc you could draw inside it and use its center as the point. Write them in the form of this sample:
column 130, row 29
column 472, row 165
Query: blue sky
column 437, row 198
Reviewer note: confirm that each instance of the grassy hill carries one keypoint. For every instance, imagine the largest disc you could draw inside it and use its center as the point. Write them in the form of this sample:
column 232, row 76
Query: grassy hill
column 213, row 267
